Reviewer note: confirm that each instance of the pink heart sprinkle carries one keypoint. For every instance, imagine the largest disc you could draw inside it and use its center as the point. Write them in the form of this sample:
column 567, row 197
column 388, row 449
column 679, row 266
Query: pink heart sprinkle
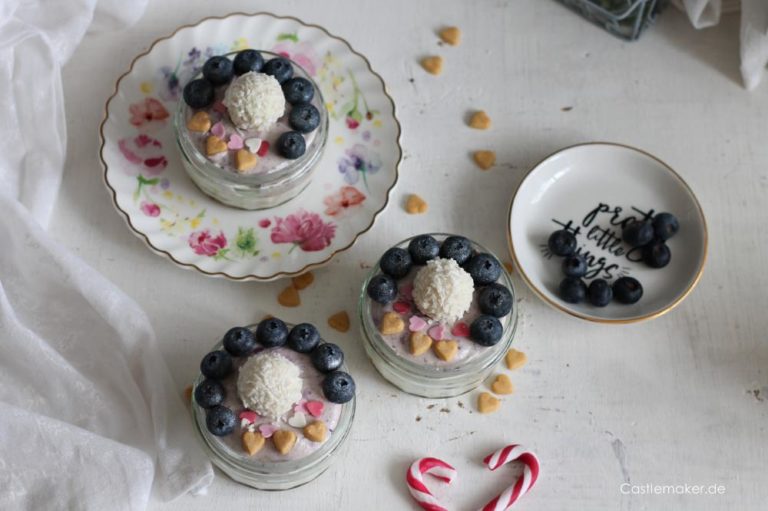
column 235, row 142
column 460, row 329
column 437, row 332
column 218, row 130
column 267, row 430
column 401, row 307
column 315, row 408
column 416, row 324
column 219, row 107
column 407, row 291
column 249, row 416
column 299, row 407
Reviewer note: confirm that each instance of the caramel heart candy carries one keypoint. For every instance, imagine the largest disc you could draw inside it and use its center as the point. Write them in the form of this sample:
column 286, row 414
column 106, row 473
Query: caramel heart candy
column 289, row 297
column 432, row 65
column 284, row 440
column 451, row 35
column 253, row 441
column 480, row 120
column 315, row 431
column 484, row 159
column 303, row 281
column 391, row 323
column 502, row 385
column 245, row 160
column 415, row 205
column 486, row 403
column 420, row 343
column 339, row 321
column 200, row 122
column 515, row 359
column 508, row 266
column 214, row 145
column 446, row 350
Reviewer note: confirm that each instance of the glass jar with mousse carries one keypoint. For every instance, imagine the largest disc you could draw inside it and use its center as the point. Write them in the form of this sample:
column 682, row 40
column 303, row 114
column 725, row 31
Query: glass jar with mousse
column 438, row 313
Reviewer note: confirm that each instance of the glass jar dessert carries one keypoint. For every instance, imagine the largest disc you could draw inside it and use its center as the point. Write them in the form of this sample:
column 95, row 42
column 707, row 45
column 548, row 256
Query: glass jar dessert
column 273, row 404
column 438, row 313
column 251, row 129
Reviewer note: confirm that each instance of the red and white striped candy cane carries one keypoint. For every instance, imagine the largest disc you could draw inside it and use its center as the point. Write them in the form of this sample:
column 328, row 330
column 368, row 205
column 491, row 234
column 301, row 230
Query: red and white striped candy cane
column 523, row 484
column 415, row 479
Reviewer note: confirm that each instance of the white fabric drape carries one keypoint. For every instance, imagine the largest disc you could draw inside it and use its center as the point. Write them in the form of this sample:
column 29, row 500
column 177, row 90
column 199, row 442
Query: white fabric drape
column 89, row 416
column 754, row 30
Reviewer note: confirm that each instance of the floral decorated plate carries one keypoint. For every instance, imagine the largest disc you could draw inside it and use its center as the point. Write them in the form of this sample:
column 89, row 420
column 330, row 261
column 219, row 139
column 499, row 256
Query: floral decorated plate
column 143, row 170
column 593, row 190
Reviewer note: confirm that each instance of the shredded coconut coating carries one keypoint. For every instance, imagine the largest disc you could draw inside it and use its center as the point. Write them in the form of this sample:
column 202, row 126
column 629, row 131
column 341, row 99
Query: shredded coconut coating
column 254, row 101
column 443, row 290
column 269, row 384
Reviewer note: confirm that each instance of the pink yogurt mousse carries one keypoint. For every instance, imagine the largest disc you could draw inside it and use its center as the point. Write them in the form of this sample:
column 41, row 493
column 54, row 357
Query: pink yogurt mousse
column 468, row 348
column 312, row 391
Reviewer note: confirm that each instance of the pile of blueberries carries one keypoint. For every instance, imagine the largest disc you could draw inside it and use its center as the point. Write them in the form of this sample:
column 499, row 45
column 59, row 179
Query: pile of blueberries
column 338, row 386
column 495, row 300
column 648, row 235
column 219, row 70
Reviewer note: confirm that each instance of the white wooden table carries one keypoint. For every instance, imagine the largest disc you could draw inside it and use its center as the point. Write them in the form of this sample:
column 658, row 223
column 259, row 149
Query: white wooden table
column 680, row 400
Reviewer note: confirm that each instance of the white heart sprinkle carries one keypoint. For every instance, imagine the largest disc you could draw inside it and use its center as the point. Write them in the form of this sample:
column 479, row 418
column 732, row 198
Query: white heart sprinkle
column 253, row 144
column 299, row 420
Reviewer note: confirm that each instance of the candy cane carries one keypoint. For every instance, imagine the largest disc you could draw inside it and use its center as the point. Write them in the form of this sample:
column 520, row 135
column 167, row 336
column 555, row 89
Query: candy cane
column 523, row 484
column 415, row 479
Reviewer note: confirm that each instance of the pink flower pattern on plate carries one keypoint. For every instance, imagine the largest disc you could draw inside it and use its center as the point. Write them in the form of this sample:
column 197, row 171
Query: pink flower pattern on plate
column 147, row 111
column 150, row 208
column 206, row 244
column 301, row 53
column 342, row 200
column 145, row 153
column 305, row 230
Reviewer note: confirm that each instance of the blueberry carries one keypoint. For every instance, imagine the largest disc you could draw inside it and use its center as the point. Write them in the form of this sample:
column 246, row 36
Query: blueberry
column 304, row 117
column 218, row 70
column 665, row 225
column 290, row 145
column 495, row 300
column 220, row 420
column 457, row 248
column 382, row 289
column 272, row 333
column 599, row 293
column 298, row 90
column 247, row 60
column 198, row 93
column 396, row 262
column 656, row 254
column 423, row 248
column 638, row 233
column 239, row 341
column 303, row 338
column 562, row 243
column 216, row 365
column 209, row 393
column 486, row 330
column 338, row 387
column 575, row 266
column 573, row 290
column 280, row 68
column 627, row 290
column 483, row 268
column 327, row 357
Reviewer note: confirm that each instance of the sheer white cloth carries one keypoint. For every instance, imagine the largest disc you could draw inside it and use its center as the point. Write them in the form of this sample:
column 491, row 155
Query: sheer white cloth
column 754, row 31
column 89, row 418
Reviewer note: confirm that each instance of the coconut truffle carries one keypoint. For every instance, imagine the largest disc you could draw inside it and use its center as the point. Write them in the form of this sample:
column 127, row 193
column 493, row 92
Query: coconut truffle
column 254, row 101
column 269, row 384
column 443, row 290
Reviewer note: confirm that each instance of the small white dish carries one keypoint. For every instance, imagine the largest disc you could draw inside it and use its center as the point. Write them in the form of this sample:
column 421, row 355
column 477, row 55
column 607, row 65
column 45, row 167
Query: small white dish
column 566, row 187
